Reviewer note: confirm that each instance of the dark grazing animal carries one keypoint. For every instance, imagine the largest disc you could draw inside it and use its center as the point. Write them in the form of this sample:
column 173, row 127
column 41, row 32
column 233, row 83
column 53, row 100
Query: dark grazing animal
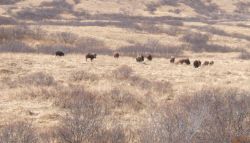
column 59, row 53
column 140, row 58
column 116, row 55
column 149, row 57
column 206, row 63
column 172, row 59
column 184, row 61
column 90, row 56
column 211, row 63
column 197, row 63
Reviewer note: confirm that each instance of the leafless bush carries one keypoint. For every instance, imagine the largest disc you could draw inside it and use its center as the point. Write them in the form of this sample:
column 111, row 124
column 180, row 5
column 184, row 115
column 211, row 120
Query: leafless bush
column 195, row 38
column 242, row 7
column 18, row 132
column 169, row 2
column 7, row 2
column 152, row 7
column 115, row 135
column 21, row 32
column 83, row 76
column 66, row 37
column 152, row 47
column 7, row 20
column 245, row 55
column 15, row 47
column 199, row 43
column 38, row 14
column 37, row 79
column 88, row 45
column 77, row 1
column 174, row 22
column 122, row 99
column 123, row 72
column 58, row 4
column 85, row 120
column 211, row 115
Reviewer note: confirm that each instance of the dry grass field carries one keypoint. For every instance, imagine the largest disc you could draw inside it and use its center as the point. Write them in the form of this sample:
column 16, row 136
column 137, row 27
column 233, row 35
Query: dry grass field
column 49, row 99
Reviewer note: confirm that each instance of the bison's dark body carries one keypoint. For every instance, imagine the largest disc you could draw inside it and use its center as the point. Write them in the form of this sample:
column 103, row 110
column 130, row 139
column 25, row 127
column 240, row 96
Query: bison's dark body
column 59, row 53
column 116, row 55
column 90, row 56
column 140, row 58
column 149, row 57
column 184, row 61
column 197, row 63
column 172, row 59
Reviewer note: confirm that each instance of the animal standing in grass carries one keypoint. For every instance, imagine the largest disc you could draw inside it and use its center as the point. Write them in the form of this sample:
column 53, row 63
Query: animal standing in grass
column 116, row 55
column 140, row 58
column 211, row 62
column 197, row 63
column 90, row 56
column 149, row 57
column 206, row 63
column 59, row 53
column 172, row 59
column 184, row 61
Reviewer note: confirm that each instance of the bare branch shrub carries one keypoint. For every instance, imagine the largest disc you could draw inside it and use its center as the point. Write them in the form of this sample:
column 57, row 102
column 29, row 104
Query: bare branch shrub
column 84, row 122
column 15, row 47
column 38, row 79
column 66, row 37
column 244, row 55
column 210, row 115
column 152, row 7
column 242, row 7
column 199, row 43
column 123, row 72
column 122, row 99
column 7, row 20
column 18, row 132
column 152, row 47
column 7, row 2
column 83, row 76
column 20, row 32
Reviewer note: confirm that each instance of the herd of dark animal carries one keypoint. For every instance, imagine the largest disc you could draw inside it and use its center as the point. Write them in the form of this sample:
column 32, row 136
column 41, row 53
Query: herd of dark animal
column 196, row 63
column 140, row 58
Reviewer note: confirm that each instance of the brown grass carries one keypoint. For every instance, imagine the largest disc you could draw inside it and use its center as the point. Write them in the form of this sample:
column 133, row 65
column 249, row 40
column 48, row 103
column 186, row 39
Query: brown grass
column 49, row 99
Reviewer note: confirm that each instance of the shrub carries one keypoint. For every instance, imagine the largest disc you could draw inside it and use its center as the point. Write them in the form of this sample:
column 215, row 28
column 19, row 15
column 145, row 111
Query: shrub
column 245, row 55
column 83, row 76
column 18, row 132
column 84, row 122
column 122, row 99
column 15, row 47
column 66, row 37
column 4, row 2
column 152, row 47
column 195, row 38
column 37, row 79
column 210, row 115
column 7, row 20
column 123, row 72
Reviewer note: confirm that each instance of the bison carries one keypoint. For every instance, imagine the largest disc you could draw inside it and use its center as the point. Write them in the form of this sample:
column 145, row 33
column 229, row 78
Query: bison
column 59, row 53
column 172, row 59
column 116, row 55
column 90, row 56
column 197, row 63
column 184, row 61
column 211, row 62
column 149, row 57
column 140, row 58
column 206, row 63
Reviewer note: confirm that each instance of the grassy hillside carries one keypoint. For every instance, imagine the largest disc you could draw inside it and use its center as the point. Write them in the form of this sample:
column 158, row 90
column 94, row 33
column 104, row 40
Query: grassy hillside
column 49, row 99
